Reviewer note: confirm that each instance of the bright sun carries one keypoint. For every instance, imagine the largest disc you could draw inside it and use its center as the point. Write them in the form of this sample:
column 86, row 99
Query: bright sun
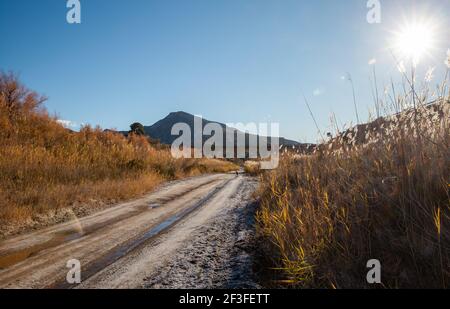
column 414, row 40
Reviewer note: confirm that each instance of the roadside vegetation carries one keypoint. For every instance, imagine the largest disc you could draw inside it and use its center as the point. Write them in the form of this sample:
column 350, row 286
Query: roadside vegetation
column 252, row 168
column 376, row 191
column 46, row 168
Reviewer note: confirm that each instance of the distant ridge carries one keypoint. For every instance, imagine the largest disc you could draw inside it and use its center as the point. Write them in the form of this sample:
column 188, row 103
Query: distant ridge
column 161, row 130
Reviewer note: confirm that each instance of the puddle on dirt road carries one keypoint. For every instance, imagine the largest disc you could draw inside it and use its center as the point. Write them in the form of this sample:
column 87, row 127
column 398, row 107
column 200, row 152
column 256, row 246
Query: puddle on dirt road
column 12, row 258
column 154, row 206
column 8, row 259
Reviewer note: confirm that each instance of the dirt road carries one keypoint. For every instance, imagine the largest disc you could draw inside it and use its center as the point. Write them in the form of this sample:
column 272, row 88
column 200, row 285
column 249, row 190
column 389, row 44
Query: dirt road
column 189, row 234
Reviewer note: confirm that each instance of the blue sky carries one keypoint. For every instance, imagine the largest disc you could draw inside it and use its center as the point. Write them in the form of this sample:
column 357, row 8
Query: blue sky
column 228, row 60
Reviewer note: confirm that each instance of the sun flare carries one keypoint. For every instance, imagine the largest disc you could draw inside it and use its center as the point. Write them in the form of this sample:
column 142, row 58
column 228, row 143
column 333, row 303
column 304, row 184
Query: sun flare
column 414, row 40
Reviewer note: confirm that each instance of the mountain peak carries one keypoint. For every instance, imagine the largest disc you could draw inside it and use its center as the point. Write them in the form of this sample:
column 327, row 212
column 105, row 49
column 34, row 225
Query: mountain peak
column 180, row 113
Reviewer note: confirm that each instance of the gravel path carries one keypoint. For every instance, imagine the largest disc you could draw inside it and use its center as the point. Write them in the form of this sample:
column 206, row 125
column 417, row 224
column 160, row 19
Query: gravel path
column 217, row 255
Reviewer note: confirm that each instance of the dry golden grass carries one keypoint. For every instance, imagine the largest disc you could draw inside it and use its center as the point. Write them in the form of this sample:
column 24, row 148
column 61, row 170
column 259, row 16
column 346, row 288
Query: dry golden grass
column 252, row 168
column 44, row 166
column 193, row 167
column 385, row 197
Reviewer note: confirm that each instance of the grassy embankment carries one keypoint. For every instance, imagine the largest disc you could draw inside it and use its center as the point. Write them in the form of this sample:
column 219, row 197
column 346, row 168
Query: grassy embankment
column 379, row 191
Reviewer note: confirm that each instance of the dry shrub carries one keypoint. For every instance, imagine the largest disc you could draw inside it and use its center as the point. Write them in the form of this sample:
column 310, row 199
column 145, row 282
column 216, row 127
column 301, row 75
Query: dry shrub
column 252, row 168
column 195, row 167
